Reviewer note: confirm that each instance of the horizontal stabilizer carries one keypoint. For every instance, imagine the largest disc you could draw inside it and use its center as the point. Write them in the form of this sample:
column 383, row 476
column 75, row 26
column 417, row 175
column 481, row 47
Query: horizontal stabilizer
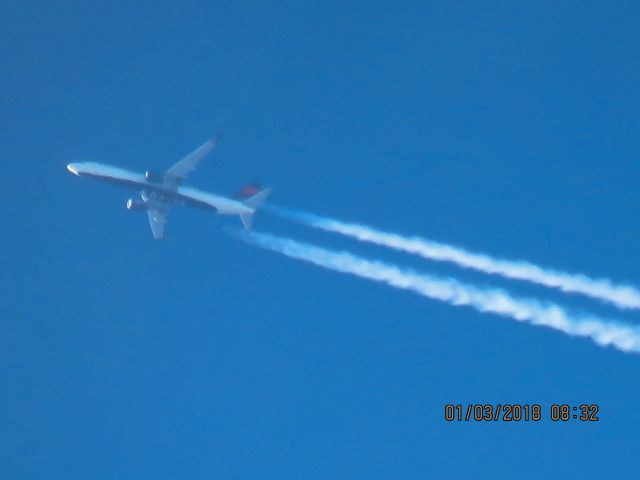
column 246, row 218
column 253, row 202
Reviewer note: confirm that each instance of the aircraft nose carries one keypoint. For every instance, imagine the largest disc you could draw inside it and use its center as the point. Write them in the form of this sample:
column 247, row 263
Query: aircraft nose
column 72, row 168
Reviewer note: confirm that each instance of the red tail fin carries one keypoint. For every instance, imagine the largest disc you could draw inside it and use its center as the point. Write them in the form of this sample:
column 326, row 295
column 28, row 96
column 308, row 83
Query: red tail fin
column 248, row 191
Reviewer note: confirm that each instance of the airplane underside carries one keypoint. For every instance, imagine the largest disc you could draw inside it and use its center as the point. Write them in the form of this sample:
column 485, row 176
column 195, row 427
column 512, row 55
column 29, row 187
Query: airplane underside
column 158, row 192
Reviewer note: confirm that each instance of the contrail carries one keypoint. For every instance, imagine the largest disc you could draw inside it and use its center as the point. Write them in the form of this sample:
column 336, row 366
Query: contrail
column 622, row 296
column 621, row 336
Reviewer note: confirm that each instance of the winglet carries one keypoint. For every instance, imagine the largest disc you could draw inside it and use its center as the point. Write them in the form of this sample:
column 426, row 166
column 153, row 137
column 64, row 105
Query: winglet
column 181, row 169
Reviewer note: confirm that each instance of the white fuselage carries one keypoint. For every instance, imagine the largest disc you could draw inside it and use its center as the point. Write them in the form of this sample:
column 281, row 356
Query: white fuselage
column 168, row 193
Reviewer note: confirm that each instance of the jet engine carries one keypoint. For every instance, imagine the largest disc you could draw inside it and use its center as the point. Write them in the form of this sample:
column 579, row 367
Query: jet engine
column 153, row 177
column 136, row 204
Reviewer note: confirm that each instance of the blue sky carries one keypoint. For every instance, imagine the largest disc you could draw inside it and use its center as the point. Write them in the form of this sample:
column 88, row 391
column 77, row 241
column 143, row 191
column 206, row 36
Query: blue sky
column 505, row 127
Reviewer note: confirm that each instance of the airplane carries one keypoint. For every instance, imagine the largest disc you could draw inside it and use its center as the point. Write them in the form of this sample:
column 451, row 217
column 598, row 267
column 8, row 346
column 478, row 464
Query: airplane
column 158, row 191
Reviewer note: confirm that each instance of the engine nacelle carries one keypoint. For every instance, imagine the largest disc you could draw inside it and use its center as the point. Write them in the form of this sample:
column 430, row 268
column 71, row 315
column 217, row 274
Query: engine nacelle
column 153, row 177
column 136, row 204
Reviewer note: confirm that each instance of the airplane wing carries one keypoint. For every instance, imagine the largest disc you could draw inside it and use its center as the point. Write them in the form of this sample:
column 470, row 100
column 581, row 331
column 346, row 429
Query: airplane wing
column 180, row 170
column 157, row 220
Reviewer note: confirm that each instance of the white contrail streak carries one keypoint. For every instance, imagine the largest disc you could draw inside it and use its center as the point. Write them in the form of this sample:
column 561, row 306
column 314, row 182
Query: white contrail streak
column 622, row 296
column 621, row 336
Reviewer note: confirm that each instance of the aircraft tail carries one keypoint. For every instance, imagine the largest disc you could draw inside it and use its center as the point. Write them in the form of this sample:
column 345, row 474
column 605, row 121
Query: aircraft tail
column 252, row 196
